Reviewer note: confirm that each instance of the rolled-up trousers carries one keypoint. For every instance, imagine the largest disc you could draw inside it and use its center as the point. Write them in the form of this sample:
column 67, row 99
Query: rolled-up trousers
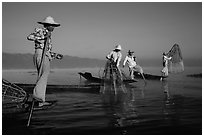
column 43, row 69
column 165, row 71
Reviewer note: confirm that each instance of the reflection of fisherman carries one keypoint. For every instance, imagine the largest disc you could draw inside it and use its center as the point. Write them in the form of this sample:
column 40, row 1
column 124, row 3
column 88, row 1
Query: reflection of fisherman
column 42, row 38
column 134, row 95
column 132, row 64
column 167, row 98
column 165, row 87
column 115, row 55
column 165, row 65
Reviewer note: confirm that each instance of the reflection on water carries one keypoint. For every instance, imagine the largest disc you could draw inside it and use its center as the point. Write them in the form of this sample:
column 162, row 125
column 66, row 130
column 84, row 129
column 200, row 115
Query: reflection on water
column 170, row 110
column 124, row 108
column 167, row 107
column 165, row 89
column 167, row 97
column 112, row 80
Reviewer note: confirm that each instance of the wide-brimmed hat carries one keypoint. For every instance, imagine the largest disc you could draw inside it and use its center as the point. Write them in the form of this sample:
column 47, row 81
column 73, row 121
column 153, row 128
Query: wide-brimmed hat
column 129, row 52
column 49, row 21
column 118, row 47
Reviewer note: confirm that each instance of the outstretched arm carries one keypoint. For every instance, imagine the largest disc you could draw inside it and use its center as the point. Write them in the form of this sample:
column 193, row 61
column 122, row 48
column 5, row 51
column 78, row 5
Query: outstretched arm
column 168, row 58
column 109, row 55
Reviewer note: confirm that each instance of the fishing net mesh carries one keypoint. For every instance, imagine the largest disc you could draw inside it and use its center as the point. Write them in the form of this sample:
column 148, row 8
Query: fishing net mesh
column 12, row 94
column 175, row 65
column 110, row 70
column 113, row 79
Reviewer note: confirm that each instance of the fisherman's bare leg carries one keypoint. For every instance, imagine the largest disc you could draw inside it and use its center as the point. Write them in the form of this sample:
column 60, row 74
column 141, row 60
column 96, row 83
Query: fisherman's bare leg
column 132, row 74
column 164, row 72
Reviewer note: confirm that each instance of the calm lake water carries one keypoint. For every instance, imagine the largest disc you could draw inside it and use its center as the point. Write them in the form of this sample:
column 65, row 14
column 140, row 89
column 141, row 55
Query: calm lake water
column 171, row 107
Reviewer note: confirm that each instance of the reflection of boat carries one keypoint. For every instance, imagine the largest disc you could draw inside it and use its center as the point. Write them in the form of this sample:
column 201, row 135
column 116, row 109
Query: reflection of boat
column 88, row 76
column 149, row 76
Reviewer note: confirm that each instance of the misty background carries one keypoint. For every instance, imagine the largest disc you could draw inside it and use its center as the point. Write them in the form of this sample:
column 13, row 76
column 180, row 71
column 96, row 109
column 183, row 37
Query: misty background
column 90, row 30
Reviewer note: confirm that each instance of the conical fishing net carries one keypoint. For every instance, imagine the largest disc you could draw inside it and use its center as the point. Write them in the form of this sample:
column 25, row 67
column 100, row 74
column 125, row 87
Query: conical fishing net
column 111, row 70
column 112, row 79
column 175, row 65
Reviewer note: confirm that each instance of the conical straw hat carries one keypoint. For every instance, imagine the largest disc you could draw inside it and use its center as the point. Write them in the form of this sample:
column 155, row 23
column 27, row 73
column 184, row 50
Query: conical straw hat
column 118, row 47
column 50, row 21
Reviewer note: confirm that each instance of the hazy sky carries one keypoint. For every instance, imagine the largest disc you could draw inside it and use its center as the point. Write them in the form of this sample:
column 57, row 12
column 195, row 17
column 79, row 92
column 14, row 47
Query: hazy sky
column 93, row 29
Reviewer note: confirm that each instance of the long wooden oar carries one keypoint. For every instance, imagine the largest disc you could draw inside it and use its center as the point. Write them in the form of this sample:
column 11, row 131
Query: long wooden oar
column 44, row 53
column 39, row 75
column 31, row 112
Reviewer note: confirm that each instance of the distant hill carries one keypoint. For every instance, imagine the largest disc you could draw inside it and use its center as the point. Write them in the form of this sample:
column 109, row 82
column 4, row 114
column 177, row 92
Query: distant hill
column 25, row 61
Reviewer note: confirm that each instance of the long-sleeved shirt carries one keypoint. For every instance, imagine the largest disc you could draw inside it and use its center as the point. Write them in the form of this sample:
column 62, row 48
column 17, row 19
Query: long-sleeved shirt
column 130, row 61
column 115, row 56
column 38, row 36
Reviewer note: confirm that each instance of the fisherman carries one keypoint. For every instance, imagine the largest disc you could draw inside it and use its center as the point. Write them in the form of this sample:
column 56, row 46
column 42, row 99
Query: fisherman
column 42, row 38
column 165, row 60
column 115, row 55
column 132, row 64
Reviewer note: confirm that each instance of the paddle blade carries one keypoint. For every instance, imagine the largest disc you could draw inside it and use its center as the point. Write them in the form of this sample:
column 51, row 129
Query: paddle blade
column 176, row 64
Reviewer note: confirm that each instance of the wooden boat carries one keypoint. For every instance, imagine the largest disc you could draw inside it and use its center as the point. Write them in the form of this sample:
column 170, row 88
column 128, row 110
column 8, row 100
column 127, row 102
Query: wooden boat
column 149, row 76
column 195, row 75
column 88, row 76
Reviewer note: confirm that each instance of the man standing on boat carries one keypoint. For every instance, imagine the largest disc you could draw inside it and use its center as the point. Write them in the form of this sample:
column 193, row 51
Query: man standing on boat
column 115, row 55
column 165, row 70
column 132, row 64
column 42, row 57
